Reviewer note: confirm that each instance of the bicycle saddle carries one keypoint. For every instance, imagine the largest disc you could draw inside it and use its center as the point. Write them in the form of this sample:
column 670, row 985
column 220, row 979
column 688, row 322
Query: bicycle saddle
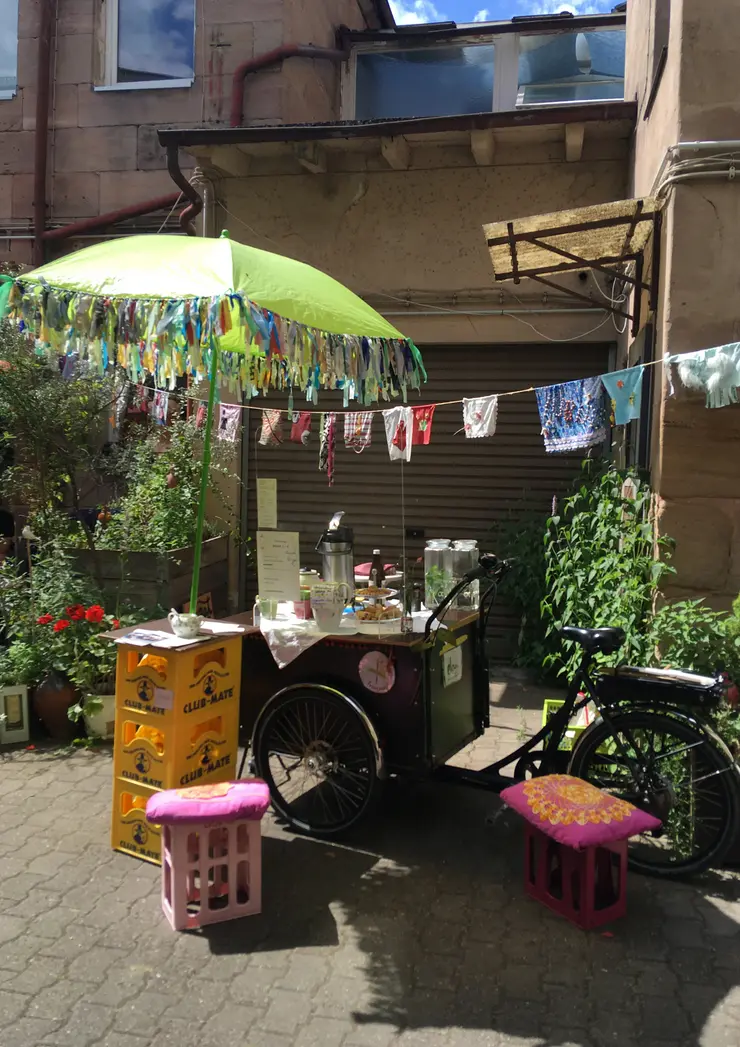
column 606, row 640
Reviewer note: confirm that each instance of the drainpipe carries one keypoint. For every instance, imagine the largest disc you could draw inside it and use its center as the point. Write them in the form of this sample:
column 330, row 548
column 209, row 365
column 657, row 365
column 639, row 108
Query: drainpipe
column 41, row 137
column 196, row 201
column 101, row 221
column 270, row 58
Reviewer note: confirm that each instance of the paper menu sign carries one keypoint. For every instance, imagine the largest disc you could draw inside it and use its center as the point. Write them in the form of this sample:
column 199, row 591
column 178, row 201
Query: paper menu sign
column 267, row 503
column 278, row 565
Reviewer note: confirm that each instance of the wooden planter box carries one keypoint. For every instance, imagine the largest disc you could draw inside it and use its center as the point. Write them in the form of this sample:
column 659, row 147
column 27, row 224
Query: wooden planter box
column 147, row 580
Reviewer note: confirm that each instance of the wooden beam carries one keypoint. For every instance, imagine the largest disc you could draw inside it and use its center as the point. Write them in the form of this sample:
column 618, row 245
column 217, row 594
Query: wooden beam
column 224, row 159
column 396, row 152
column 574, row 134
column 483, row 147
column 312, row 156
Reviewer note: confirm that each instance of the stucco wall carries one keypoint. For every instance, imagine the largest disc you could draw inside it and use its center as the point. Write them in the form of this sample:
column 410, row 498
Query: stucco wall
column 399, row 232
column 104, row 152
column 695, row 450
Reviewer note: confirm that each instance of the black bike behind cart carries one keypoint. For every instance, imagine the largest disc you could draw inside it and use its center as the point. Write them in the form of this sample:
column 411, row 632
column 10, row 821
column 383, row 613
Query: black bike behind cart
column 351, row 711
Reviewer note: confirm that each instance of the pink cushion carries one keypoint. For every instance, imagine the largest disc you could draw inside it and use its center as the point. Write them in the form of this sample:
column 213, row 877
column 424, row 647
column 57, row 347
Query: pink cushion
column 222, row 802
column 576, row 813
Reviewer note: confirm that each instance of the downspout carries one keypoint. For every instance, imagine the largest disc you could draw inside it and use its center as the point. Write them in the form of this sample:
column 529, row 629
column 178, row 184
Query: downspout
column 196, row 201
column 41, row 135
column 270, row 58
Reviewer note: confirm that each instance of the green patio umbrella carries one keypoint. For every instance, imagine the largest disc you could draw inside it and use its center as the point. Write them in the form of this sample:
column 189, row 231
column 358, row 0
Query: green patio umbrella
column 214, row 308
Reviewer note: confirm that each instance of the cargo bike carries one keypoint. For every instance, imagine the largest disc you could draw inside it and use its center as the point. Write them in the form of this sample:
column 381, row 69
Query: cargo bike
column 352, row 711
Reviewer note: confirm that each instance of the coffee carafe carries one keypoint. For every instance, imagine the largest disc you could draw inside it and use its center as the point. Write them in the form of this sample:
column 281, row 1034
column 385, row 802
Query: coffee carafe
column 337, row 553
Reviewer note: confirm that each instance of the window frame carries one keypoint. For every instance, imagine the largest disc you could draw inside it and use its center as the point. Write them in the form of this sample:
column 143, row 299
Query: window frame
column 109, row 81
column 507, row 94
column 8, row 93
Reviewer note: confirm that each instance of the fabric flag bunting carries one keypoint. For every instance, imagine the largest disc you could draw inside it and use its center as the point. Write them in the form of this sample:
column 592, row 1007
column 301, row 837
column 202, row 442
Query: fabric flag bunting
column 300, row 428
column 479, row 416
column 327, row 442
column 399, row 422
column 573, row 414
column 624, row 389
column 271, row 434
column 715, row 372
column 229, row 419
column 160, row 406
column 422, row 424
column 358, row 430
column 200, row 415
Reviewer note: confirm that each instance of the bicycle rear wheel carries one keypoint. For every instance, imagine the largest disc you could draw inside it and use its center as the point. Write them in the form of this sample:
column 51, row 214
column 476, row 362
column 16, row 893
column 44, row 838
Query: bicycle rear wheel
column 675, row 771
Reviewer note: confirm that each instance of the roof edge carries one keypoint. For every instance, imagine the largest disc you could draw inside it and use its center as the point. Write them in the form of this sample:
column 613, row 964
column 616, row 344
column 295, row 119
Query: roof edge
column 445, row 31
column 587, row 112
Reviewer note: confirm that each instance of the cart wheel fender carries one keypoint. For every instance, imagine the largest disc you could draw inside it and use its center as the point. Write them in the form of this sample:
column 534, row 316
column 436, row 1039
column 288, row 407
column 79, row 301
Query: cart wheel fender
column 355, row 706
column 675, row 713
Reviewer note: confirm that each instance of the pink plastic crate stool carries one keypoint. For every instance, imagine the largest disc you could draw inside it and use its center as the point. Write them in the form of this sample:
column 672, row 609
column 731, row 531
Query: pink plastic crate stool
column 575, row 858
column 211, row 851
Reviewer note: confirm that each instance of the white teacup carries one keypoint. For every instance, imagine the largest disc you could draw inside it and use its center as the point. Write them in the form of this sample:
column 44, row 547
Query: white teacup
column 186, row 626
column 328, row 600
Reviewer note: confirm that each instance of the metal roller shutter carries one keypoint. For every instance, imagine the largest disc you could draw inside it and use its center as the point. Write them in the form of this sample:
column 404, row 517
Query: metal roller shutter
column 453, row 488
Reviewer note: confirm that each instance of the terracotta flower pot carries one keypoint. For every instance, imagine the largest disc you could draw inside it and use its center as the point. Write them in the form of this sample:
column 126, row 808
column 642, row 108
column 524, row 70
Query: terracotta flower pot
column 51, row 700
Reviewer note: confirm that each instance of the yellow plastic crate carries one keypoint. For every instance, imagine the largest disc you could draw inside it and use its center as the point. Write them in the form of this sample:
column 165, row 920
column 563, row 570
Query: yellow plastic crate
column 168, row 755
column 131, row 833
column 551, row 706
column 170, row 685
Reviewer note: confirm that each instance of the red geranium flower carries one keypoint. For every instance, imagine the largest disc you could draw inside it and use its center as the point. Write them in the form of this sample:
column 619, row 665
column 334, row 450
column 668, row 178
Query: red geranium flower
column 45, row 619
column 116, row 623
column 76, row 612
column 95, row 613
column 61, row 625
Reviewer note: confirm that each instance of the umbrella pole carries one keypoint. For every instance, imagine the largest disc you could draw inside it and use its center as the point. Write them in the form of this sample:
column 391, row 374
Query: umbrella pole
column 204, row 481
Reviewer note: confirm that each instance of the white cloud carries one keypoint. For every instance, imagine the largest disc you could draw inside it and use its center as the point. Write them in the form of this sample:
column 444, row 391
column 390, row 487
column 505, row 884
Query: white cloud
column 484, row 15
column 415, row 12
column 575, row 7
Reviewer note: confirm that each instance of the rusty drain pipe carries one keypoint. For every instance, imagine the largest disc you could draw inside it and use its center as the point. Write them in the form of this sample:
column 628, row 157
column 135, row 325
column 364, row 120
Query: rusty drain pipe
column 270, row 58
column 41, row 134
column 196, row 200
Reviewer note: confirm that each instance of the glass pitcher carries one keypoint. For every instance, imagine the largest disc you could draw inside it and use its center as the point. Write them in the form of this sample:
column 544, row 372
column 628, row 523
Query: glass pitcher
column 464, row 555
column 437, row 571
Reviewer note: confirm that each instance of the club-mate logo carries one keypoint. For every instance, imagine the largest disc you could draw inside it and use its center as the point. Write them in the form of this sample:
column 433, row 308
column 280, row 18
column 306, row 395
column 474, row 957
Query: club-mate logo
column 209, row 685
column 140, row 833
column 144, row 689
column 142, row 762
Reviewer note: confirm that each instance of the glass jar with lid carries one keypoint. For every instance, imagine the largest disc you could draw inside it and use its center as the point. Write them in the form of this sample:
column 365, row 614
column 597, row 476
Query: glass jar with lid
column 437, row 571
column 464, row 553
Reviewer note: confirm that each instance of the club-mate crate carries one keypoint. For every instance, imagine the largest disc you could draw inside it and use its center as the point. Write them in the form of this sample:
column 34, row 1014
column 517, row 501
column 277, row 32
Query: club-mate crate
column 177, row 724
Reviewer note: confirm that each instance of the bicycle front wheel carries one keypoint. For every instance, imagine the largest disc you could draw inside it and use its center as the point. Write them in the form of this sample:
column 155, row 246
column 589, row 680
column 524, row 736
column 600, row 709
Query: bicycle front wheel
column 664, row 765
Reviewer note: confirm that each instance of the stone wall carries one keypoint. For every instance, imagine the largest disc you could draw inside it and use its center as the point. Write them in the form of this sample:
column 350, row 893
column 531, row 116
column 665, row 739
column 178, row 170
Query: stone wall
column 103, row 147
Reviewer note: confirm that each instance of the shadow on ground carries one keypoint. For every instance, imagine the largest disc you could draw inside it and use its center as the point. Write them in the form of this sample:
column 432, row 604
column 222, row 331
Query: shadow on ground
column 427, row 906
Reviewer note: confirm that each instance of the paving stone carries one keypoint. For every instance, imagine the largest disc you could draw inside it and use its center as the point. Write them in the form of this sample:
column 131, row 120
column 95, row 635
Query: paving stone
column 12, row 1005
column 11, row 927
column 141, row 1014
column 41, row 972
column 326, row 1032
column 86, row 1025
column 55, row 1001
column 27, row 1032
column 304, row 974
column 287, row 1011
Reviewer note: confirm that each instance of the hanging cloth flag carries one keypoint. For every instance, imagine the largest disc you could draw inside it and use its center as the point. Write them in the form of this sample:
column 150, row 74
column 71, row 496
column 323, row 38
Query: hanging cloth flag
column 201, row 414
column 358, row 430
column 300, row 428
column 479, row 416
column 139, row 400
column 160, row 405
column 422, row 424
column 573, row 414
column 715, row 372
column 229, row 419
column 272, row 429
column 399, row 424
column 624, row 389
column 327, row 441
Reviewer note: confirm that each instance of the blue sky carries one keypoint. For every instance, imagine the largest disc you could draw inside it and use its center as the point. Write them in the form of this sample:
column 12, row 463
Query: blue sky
column 415, row 11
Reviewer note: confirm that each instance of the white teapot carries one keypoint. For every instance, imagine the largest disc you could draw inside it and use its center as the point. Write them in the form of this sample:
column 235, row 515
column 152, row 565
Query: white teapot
column 186, row 626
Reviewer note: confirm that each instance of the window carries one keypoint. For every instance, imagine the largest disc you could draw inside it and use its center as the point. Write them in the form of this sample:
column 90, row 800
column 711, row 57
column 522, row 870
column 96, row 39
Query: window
column 432, row 81
column 449, row 79
column 149, row 43
column 8, row 48
column 571, row 67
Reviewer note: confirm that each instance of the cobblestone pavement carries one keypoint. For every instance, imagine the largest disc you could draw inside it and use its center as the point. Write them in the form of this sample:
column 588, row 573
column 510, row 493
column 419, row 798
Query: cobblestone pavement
column 415, row 933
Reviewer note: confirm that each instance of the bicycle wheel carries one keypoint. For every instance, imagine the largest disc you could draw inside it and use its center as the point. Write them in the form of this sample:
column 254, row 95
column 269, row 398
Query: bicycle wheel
column 317, row 755
column 674, row 771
